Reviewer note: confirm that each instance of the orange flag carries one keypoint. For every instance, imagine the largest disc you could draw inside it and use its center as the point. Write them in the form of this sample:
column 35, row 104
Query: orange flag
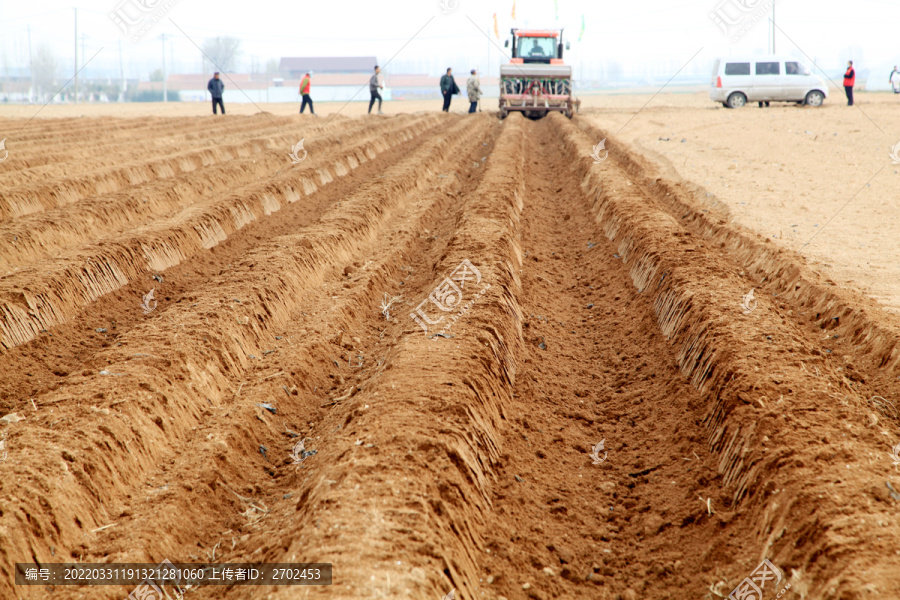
column 496, row 30
column 514, row 10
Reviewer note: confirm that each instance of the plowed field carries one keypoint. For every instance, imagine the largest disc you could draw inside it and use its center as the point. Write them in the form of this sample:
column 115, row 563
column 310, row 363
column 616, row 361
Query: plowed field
column 398, row 355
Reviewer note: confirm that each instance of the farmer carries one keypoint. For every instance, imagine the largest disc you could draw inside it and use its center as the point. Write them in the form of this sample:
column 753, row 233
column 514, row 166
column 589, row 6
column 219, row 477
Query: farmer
column 373, row 91
column 473, row 89
column 216, row 87
column 895, row 80
column 448, row 88
column 304, row 91
column 849, row 80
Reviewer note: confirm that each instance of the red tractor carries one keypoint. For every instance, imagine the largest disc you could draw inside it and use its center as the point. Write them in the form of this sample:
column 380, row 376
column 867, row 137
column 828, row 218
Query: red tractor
column 536, row 81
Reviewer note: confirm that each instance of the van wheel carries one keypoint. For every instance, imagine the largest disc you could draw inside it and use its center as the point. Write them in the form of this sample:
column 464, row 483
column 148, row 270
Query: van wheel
column 736, row 100
column 815, row 98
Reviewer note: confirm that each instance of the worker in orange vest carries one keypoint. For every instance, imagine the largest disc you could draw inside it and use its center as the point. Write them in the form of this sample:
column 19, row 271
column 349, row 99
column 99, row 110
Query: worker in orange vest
column 304, row 91
column 849, row 80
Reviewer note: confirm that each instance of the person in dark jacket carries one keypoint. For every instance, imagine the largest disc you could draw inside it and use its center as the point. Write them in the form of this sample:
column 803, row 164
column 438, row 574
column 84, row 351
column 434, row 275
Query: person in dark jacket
column 374, row 86
column 216, row 87
column 448, row 88
column 304, row 91
column 849, row 80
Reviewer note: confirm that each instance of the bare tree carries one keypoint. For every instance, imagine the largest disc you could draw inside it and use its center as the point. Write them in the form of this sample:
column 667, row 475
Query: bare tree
column 44, row 67
column 223, row 52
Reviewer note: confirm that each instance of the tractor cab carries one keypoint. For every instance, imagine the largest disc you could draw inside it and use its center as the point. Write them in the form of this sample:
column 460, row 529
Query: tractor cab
column 536, row 46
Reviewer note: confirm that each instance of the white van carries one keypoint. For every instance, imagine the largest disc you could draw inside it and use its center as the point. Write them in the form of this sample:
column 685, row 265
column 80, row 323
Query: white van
column 765, row 79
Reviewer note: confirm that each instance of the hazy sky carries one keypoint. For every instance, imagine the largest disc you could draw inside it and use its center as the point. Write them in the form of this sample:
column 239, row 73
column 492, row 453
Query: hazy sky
column 650, row 37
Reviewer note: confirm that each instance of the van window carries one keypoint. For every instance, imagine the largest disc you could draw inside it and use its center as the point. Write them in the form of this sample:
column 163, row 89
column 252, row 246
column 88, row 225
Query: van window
column 768, row 68
column 795, row 68
column 737, row 68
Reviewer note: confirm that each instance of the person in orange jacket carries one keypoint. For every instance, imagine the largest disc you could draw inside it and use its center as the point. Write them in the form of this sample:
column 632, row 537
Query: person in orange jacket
column 304, row 91
column 849, row 80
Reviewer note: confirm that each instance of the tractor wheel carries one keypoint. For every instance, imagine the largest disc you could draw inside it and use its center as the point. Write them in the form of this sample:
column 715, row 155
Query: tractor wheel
column 503, row 113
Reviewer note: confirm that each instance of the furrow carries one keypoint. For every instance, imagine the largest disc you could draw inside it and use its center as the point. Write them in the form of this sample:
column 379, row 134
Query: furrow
column 113, row 141
column 295, row 379
column 726, row 353
column 38, row 236
column 160, row 393
column 31, row 303
column 37, row 195
column 424, row 412
column 868, row 330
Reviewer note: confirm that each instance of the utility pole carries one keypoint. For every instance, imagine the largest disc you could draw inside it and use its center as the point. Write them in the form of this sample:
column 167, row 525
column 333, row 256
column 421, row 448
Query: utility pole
column 82, row 58
column 121, row 73
column 76, row 56
column 165, row 92
column 30, row 65
column 773, row 27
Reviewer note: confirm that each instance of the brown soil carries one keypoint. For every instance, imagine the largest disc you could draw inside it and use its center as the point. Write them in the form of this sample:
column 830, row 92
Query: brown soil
column 606, row 306
column 818, row 181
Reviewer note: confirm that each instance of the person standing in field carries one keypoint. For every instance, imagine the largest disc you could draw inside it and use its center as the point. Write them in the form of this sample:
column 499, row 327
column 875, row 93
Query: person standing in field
column 304, row 91
column 216, row 87
column 374, row 86
column 448, row 88
column 894, row 79
column 849, row 80
column 473, row 89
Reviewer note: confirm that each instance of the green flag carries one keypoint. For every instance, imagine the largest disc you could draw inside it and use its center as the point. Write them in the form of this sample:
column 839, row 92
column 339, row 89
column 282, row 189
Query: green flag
column 580, row 35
